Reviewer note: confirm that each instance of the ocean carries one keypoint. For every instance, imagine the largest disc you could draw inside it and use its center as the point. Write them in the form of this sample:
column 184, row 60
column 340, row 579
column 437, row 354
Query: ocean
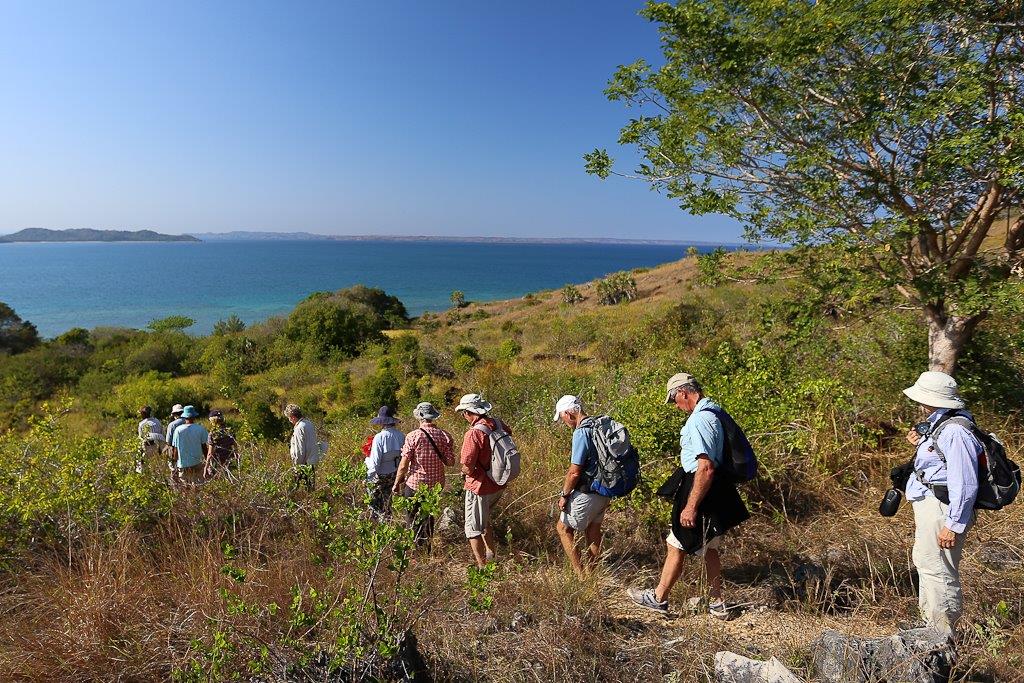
column 57, row 286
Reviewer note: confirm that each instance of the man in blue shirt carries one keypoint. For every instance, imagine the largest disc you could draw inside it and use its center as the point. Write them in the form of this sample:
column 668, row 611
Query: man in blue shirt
column 945, row 466
column 176, row 421
column 382, row 462
column 190, row 443
column 703, row 495
column 582, row 510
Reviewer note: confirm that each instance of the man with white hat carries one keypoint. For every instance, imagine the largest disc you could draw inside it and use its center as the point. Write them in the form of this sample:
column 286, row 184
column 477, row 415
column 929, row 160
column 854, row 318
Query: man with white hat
column 482, row 492
column 582, row 510
column 176, row 421
column 943, row 490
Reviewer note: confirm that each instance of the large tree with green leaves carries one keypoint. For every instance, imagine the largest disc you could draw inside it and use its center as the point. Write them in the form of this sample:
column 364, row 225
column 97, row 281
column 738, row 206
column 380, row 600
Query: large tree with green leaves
column 889, row 130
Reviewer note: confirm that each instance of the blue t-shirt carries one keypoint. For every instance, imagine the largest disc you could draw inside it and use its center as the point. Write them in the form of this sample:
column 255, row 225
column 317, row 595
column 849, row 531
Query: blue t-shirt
column 701, row 434
column 172, row 427
column 582, row 447
column 189, row 440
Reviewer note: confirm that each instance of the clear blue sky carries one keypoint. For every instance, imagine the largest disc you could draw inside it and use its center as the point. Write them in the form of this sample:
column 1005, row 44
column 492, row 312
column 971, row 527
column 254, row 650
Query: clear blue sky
column 447, row 117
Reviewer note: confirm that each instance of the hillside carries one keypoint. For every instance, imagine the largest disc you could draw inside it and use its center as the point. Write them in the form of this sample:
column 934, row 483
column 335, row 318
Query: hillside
column 109, row 574
column 90, row 235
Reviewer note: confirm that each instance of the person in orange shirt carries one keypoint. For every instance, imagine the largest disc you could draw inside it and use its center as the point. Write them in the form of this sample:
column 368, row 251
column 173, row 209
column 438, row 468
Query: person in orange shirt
column 481, row 491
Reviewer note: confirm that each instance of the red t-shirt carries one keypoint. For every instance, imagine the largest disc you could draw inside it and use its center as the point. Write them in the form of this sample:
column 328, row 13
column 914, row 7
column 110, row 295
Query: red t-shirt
column 476, row 455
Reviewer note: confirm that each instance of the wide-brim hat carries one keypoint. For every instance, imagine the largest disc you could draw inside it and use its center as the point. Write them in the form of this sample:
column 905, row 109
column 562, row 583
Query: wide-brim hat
column 935, row 389
column 385, row 417
column 189, row 411
column 177, row 409
column 473, row 403
column 425, row 411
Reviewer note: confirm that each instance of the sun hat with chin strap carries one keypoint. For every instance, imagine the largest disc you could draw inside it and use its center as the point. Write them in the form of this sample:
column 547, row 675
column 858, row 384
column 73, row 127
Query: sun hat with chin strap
column 935, row 389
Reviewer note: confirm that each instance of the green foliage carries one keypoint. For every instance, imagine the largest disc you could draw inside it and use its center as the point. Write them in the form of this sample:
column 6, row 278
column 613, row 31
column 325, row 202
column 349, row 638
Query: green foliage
column 818, row 124
column 709, row 268
column 464, row 358
column 616, row 288
column 571, row 295
column 56, row 484
column 157, row 390
column 230, row 325
column 173, row 323
column 509, row 349
column 16, row 335
column 458, row 299
column 379, row 389
column 327, row 326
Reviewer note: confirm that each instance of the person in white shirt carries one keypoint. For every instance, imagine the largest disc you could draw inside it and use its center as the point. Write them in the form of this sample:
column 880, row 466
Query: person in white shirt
column 151, row 437
column 382, row 462
column 304, row 448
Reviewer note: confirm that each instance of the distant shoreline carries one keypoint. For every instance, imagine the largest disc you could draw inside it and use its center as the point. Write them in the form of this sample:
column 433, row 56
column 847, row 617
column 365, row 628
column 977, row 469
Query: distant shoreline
column 247, row 236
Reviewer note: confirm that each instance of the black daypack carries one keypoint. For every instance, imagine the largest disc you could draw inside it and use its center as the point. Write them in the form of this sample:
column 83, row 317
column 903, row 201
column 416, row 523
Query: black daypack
column 998, row 477
column 737, row 453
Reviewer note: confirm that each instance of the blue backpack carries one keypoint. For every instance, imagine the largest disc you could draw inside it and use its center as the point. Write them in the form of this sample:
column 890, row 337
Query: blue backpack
column 615, row 471
column 737, row 453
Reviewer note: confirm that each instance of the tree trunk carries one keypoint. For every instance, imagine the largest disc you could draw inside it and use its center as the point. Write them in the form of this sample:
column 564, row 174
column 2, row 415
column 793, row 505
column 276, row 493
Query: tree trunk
column 948, row 336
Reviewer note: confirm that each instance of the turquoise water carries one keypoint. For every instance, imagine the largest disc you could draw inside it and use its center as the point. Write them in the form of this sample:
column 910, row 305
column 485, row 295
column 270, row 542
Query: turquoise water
column 60, row 286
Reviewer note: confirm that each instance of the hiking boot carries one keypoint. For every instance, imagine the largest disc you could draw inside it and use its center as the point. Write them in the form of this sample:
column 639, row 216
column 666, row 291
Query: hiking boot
column 719, row 610
column 645, row 598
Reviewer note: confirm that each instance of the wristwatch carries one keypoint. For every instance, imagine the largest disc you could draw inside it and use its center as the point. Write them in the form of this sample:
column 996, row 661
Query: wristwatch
column 565, row 495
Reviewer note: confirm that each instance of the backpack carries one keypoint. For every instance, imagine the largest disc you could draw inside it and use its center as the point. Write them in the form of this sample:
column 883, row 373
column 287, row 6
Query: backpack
column 737, row 454
column 505, row 458
column 998, row 476
column 615, row 471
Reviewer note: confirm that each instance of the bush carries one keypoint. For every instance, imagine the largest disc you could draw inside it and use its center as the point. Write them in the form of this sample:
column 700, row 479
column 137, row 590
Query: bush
column 571, row 295
column 464, row 358
column 379, row 389
column 616, row 288
column 16, row 335
column 328, row 326
column 231, row 325
column 709, row 268
column 509, row 349
column 458, row 299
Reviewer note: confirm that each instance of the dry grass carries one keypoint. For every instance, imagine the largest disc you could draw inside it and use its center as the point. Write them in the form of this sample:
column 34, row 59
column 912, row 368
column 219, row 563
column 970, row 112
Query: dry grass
column 129, row 607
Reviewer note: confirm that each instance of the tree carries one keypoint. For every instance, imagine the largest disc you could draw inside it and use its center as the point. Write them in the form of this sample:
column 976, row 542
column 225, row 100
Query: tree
column 571, row 295
column 16, row 335
column 458, row 299
column 230, row 325
column 889, row 130
column 327, row 325
column 173, row 323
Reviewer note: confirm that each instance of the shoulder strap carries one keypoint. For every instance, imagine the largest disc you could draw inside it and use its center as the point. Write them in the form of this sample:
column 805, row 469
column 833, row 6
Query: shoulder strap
column 437, row 450
column 481, row 427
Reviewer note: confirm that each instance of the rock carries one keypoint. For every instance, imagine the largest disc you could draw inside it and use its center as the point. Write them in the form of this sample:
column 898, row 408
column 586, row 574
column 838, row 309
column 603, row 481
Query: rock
column 449, row 525
column 922, row 655
column 733, row 668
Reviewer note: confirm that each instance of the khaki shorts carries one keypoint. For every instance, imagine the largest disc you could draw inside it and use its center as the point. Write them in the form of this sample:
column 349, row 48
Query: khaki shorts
column 478, row 512
column 583, row 509
column 714, row 544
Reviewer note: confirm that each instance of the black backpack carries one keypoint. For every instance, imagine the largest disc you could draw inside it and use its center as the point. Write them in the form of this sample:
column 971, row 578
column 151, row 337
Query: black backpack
column 998, row 476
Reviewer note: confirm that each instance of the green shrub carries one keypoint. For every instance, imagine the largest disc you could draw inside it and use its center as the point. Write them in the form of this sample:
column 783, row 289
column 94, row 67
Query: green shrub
column 328, row 326
column 616, row 288
column 509, row 349
column 16, row 335
column 571, row 295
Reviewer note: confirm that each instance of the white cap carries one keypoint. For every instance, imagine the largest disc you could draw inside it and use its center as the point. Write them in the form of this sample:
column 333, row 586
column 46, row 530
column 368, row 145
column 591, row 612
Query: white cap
column 936, row 390
column 178, row 408
column 567, row 402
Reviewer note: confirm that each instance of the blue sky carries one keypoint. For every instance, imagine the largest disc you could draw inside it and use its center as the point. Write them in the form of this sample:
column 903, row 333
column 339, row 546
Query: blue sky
column 443, row 118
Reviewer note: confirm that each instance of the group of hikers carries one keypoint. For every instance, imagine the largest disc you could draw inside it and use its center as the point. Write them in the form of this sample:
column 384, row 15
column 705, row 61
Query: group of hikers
column 192, row 452
column 955, row 469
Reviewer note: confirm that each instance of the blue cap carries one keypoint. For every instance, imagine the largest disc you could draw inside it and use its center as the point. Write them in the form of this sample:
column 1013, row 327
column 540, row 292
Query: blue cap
column 189, row 411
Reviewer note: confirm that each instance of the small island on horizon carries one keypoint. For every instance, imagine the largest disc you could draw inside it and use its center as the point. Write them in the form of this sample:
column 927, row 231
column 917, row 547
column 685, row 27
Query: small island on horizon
column 91, row 235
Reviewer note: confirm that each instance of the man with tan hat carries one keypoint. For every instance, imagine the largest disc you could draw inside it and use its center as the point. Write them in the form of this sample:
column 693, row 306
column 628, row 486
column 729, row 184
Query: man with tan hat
column 942, row 489
column 706, row 502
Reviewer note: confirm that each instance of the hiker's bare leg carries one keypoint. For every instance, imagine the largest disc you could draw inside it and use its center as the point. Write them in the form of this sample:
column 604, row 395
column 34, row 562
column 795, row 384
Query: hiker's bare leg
column 568, row 538
column 479, row 551
column 713, row 564
column 670, row 572
column 489, row 545
column 594, row 543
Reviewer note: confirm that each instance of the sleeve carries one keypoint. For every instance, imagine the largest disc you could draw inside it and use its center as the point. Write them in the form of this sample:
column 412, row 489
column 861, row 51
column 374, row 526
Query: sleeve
column 174, row 439
column 471, row 448
column 409, row 447
column 961, row 450
column 139, row 430
column 707, row 437
column 295, row 447
column 580, row 447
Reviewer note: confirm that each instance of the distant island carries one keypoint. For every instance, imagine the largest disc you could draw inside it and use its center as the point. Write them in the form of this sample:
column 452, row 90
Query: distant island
column 252, row 235
column 90, row 235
